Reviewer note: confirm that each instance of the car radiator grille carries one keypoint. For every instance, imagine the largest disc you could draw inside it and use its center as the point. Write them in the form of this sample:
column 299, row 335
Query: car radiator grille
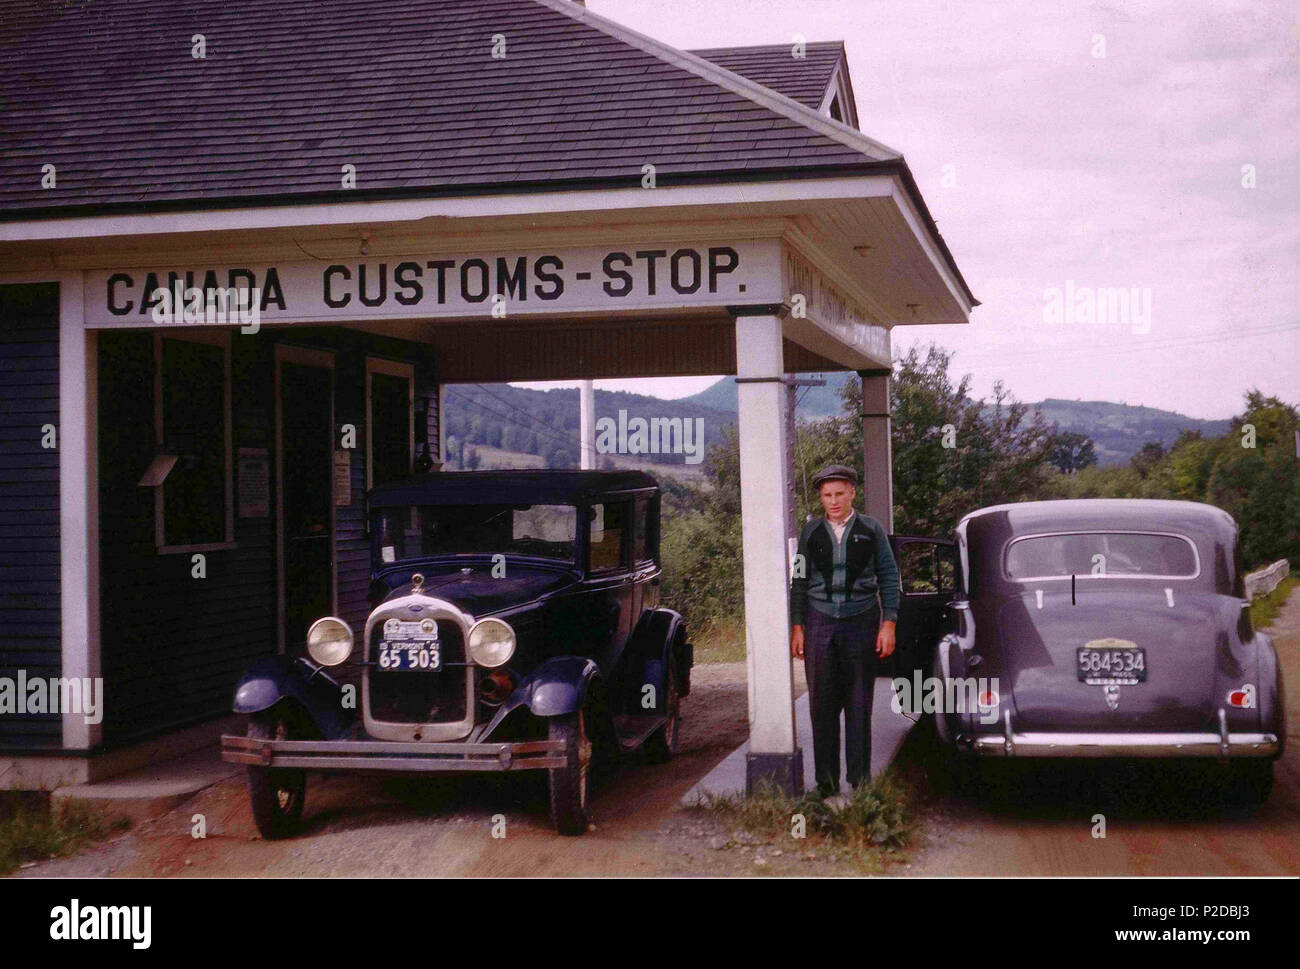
column 421, row 697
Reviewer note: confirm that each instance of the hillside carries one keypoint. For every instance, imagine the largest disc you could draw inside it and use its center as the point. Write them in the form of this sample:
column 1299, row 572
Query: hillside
column 1117, row 430
column 504, row 420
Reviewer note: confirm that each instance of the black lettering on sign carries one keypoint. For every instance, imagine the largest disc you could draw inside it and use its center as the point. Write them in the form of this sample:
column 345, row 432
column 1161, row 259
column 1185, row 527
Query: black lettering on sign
column 717, row 266
column 622, row 259
column 551, row 275
column 113, row 306
column 383, row 285
column 151, row 296
column 482, row 267
column 651, row 257
column 330, row 298
column 409, row 291
column 515, row 285
column 440, row 266
column 271, row 291
column 692, row 257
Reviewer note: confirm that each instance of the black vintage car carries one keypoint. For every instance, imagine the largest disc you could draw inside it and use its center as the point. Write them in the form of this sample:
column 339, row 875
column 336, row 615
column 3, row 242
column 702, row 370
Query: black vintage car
column 1107, row 628
column 515, row 625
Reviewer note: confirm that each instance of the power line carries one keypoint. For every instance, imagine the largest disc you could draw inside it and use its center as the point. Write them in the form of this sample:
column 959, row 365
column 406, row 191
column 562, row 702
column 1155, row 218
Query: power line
column 506, row 417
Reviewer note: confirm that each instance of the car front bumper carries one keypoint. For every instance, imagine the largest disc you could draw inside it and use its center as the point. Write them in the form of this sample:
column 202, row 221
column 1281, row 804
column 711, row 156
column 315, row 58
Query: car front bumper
column 382, row 755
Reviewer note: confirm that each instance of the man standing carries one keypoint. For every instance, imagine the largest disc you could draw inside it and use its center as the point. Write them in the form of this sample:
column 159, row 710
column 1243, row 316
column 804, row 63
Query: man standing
column 843, row 609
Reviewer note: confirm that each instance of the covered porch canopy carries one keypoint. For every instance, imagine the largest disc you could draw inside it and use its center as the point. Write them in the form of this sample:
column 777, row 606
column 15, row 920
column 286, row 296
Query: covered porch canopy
column 694, row 254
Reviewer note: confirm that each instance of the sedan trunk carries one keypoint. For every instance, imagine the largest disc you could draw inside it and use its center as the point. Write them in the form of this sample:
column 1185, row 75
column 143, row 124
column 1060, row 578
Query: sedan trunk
column 1150, row 666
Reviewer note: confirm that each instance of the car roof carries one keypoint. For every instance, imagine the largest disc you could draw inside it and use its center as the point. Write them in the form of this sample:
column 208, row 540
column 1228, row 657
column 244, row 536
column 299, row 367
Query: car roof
column 1143, row 514
column 509, row 487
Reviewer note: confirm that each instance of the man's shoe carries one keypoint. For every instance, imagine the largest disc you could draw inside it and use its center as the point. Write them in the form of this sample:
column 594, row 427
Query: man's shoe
column 827, row 790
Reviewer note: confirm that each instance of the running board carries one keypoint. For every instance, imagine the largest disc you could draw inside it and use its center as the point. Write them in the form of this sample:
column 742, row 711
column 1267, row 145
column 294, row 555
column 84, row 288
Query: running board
column 634, row 731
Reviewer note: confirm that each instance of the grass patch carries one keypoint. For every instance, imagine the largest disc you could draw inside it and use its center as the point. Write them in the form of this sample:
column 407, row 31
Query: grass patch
column 869, row 829
column 30, row 833
column 1265, row 608
column 720, row 641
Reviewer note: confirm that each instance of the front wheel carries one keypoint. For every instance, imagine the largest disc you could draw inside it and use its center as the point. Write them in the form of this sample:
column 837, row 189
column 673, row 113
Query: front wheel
column 570, row 784
column 277, row 794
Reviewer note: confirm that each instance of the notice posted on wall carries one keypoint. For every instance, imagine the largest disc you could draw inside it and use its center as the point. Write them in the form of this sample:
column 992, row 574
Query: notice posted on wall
column 254, row 475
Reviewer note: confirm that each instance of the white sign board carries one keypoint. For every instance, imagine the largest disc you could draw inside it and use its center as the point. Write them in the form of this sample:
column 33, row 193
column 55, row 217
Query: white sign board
column 655, row 276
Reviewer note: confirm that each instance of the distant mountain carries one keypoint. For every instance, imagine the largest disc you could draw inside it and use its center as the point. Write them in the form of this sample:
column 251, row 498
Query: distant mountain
column 519, row 420
column 814, row 402
column 1117, row 430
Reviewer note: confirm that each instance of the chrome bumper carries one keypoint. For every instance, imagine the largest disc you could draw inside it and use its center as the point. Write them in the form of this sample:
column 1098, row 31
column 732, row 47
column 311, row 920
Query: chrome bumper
column 353, row 755
column 1121, row 745
column 1223, row 744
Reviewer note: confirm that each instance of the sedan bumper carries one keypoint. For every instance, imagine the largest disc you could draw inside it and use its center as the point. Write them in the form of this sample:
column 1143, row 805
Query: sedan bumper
column 362, row 755
column 1229, row 746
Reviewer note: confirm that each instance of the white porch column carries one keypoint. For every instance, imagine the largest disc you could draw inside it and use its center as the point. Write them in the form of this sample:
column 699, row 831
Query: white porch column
column 773, row 754
column 878, row 464
column 587, row 425
column 78, row 504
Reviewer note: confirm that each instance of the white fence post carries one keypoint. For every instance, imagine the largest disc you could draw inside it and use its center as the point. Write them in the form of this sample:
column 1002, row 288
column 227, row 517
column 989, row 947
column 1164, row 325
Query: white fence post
column 1264, row 581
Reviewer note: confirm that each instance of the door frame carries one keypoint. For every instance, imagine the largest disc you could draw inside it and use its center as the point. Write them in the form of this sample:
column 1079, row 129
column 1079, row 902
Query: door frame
column 323, row 359
column 390, row 368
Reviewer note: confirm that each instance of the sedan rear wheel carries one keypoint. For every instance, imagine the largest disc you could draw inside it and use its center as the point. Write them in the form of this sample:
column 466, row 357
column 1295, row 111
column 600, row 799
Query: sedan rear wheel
column 277, row 794
column 662, row 744
column 570, row 785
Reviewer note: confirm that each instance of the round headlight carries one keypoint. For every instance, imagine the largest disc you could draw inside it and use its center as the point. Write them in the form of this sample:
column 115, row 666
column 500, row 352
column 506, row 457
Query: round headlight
column 491, row 642
column 329, row 641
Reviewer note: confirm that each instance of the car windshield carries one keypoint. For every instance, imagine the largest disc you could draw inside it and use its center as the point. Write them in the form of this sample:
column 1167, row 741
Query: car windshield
column 408, row 532
column 1101, row 554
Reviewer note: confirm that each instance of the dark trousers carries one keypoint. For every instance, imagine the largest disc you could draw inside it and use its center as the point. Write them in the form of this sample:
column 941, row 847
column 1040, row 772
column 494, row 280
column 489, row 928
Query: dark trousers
column 840, row 665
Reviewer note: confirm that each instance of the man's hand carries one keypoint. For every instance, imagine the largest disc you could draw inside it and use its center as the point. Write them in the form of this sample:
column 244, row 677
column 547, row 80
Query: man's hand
column 884, row 639
column 796, row 642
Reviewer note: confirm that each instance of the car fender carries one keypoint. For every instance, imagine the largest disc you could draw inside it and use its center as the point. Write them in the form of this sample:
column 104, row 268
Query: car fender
column 647, row 655
column 556, row 687
column 275, row 678
column 1271, row 693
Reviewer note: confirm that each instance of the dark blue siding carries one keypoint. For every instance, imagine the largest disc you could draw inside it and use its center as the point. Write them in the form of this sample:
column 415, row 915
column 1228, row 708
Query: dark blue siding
column 29, row 502
column 174, row 646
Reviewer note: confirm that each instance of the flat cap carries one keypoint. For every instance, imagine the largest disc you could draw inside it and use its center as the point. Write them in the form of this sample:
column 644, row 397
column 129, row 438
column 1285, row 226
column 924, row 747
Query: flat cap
column 835, row 472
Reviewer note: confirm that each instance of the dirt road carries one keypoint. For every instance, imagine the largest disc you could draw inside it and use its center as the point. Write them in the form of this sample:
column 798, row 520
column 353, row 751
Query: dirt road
column 1040, row 820
column 368, row 827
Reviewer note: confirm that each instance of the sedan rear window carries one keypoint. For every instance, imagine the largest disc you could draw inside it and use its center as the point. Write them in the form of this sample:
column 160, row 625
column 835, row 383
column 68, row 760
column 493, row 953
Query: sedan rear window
column 1101, row 554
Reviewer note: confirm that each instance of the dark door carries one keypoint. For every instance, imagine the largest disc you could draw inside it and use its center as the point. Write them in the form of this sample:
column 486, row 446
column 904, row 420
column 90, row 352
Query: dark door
column 928, row 570
column 306, row 447
column 390, row 428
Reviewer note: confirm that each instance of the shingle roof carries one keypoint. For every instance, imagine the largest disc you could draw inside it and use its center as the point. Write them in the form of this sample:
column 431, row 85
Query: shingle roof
column 290, row 91
column 803, row 79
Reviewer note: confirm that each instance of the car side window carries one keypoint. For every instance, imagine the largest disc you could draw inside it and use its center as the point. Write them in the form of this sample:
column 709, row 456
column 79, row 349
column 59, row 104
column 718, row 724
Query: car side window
column 609, row 521
column 916, row 567
column 946, row 561
column 641, row 532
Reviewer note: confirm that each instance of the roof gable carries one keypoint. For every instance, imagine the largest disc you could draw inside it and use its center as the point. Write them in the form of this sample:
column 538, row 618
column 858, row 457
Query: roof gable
column 806, row 80
column 289, row 92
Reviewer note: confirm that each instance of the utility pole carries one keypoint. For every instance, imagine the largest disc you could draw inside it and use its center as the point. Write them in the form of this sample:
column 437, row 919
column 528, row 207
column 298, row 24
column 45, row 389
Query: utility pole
column 587, row 425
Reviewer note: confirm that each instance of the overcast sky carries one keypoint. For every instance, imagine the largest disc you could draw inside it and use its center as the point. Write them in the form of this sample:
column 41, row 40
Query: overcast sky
column 1122, row 170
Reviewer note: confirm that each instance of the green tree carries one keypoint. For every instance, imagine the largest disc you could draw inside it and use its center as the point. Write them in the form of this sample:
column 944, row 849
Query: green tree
column 1072, row 452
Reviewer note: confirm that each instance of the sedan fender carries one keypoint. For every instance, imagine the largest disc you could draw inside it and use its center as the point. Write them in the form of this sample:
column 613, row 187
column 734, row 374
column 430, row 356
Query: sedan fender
column 275, row 678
